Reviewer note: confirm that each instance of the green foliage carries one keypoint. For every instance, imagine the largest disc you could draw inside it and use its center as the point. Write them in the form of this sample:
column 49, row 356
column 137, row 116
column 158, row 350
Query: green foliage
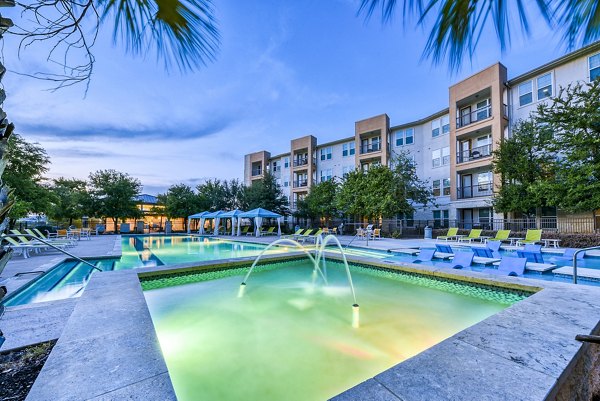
column 320, row 201
column 26, row 164
column 384, row 192
column 180, row 201
column 213, row 195
column 267, row 194
column 524, row 162
column 574, row 118
column 112, row 194
column 70, row 199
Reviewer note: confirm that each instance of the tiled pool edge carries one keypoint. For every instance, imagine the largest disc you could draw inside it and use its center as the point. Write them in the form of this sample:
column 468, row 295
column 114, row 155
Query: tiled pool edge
column 484, row 370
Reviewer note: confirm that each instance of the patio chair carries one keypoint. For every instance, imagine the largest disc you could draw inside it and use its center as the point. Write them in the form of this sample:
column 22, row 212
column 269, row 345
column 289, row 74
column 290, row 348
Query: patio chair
column 294, row 235
column 494, row 246
column 334, row 231
column 474, row 234
column 532, row 237
column 461, row 260
column 450, row 235
column 509, row 266
column 312, row 238
column 37, row 233
column 377, row 233
column 534, row 257
column 570, row 252
column 26, row 241
column 483, row 252
column 501, row 235
column 361, row 233
column 425, row 255
column 532, row 248
column 245, row 229
column 270, row 231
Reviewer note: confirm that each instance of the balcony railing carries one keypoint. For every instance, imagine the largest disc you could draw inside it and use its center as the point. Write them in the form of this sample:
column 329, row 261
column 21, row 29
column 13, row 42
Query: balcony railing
column 474, row 116
column 256, row 172
column 300, row 162
column 474, row 154
column 474, row 191
column 370, row 148
column 300, row 183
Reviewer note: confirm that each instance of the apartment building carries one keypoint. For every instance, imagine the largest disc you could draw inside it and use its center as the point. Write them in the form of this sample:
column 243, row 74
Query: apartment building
column 452, row 148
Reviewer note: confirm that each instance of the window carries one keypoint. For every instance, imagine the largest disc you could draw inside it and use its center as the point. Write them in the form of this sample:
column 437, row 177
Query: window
column 348, row 149
column 436, row 157
column 286, row 183
column 435, row 128
column 436, row 187
column 405, row 137
column 446, row 156
column 594, row 67
column 347, row 169
column 445, row 124
column 525, row 93
column 483, row 109
column 544, row 86
column 446, row 187
column 286, row 162
column 275, row 166
column 484, row 181
column 326, row 175
column 326, row 153
column 441, row 218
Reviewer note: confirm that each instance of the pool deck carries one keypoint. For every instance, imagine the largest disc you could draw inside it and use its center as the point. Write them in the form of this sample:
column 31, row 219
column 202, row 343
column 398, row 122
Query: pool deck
column 107, row 348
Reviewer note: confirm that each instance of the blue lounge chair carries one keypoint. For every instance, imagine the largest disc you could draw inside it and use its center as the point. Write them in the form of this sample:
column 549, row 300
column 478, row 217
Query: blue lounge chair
column 535, row 257
column 483, row 252
column 570, row 252
column 495, row 248
column 461, row 260
column 532, row 248
column 509, row 267
column 425, row 255
column 443, row 248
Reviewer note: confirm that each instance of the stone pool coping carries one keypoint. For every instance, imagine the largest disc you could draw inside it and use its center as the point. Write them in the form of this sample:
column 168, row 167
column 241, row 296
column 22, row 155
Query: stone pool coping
column 109, row 348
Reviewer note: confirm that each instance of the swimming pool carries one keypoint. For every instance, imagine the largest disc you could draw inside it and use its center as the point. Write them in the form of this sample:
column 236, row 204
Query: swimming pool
column 68, row 279
column 288, row 338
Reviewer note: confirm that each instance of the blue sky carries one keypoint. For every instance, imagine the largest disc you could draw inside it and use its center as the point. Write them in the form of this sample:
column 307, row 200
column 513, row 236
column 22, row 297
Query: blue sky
column 285, row 69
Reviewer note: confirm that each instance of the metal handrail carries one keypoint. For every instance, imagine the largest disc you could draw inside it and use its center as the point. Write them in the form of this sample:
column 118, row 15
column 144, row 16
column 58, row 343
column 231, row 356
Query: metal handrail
column 575, row 260
column 54, row 247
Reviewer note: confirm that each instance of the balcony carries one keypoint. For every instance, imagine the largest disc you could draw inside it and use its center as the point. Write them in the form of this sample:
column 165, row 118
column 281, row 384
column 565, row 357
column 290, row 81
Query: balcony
column 474, row 154
column 300, row 183
column 376, row 147
column 474, row 191
column 256, row 172
column 474, row 116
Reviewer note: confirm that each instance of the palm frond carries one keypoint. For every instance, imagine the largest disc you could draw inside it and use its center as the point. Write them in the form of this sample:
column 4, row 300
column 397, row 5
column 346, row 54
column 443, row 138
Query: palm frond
column 580, row 19
column 182, row 32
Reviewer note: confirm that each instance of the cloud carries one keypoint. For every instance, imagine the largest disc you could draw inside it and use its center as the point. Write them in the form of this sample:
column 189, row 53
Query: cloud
column 72, row 153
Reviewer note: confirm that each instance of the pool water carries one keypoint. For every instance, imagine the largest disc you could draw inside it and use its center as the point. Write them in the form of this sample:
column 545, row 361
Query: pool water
column 290, row 339
column 68, row 279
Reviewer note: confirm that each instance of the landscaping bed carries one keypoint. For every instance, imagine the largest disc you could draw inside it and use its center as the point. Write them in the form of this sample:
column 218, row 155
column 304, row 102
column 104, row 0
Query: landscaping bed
column 20, row 368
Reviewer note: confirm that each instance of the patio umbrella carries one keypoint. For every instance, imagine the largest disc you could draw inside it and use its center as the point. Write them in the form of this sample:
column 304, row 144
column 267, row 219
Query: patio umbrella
column 199, row 216
column 234, row 216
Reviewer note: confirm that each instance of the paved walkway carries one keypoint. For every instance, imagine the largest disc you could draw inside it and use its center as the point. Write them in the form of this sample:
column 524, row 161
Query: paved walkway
column 34, row 323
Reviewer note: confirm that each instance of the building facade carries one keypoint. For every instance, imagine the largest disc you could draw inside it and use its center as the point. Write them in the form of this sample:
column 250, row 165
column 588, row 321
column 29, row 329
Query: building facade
column 452, row 148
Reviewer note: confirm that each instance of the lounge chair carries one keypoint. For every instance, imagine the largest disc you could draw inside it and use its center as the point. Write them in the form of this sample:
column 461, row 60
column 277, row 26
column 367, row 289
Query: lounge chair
column 270, row 231
column 312, row 238
column 444, row 249
column 245, row 230
column 26, row 241
column 532, row 248
column 37, row 233
column 494, row 246
column 452, row 234
column 509, row 266
column 483, row 252
column 461, row 260
column 534, row 257
column 294, row 235
column 570, row 252
column 473, row 235
column 22, row 248
column 377, row 233
column 501, row 235
column 532, row 237
column 425, row 255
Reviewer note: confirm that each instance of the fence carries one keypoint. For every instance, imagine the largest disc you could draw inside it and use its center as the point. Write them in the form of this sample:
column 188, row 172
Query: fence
column 415, row 228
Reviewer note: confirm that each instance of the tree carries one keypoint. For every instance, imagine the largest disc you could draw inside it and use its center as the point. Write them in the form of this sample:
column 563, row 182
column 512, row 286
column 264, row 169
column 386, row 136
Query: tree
column 213, row 194
column 409, row 189
column 320, row 201
column 459, row 23
column 26, row 164
column 235, row 194
column 267, row 194
column 524, row 163
column 113, row 195
column 180, row 201
column 70, row 199
column 573, row 116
